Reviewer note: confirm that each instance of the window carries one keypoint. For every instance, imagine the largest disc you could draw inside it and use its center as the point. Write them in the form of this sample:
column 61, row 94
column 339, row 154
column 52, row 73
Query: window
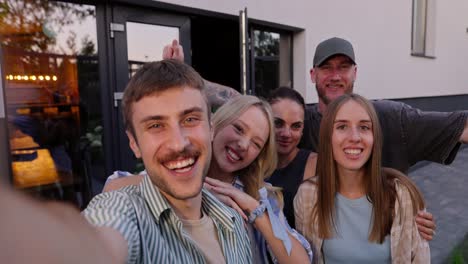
column 423, row 38
column 142, row 51
column 272, row 61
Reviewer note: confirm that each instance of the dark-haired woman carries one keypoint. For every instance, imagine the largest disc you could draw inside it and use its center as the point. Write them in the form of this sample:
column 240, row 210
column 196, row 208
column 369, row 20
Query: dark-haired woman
column 294, row 165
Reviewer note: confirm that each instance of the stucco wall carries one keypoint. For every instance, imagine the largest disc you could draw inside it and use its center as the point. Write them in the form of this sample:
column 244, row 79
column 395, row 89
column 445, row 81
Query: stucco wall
column 381, row 34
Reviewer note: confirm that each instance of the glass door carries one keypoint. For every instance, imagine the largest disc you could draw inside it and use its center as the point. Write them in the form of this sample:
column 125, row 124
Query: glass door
column 138, row 36
column 52, row 97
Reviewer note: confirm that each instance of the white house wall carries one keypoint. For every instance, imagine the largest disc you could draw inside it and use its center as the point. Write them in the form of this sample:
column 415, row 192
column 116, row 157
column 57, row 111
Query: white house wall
column 381, row 34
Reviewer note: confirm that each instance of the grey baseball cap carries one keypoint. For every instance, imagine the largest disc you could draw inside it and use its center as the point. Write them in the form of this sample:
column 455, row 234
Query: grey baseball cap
column 332, row 47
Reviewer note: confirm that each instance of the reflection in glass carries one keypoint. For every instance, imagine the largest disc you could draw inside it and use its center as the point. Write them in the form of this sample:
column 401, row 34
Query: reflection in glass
column 145, row 43
column 52, row 95
column 272, row 58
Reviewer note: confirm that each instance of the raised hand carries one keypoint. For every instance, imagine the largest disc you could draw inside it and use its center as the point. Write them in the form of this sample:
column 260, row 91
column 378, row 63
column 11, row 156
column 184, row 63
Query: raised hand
column 232, row 197
column 173, row 51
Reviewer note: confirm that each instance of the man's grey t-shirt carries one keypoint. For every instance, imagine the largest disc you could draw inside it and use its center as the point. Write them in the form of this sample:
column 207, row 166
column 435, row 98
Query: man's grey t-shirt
column 410, row 135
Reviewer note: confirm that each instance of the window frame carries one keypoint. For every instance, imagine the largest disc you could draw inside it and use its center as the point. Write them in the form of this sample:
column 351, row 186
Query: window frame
column 423, row 28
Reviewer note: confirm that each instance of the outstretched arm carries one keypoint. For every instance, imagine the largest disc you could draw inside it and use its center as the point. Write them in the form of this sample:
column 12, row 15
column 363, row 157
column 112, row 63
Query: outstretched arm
column 427, row 135
column 216, row 94
column 34, row 232
column 118, row 183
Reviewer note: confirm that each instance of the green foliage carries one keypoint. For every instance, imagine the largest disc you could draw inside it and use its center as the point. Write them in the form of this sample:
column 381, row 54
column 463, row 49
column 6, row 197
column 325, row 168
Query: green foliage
column 459, row 254
column 95, row 137
column 266, row 43
column 456, row 257
column 32, row 25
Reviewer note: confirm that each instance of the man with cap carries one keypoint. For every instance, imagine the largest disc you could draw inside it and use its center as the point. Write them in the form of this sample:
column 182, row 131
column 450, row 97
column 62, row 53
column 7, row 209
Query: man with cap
column 410, row 135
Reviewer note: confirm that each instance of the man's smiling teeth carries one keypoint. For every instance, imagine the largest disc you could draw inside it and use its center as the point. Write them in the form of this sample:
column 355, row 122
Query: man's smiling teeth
column 179, row 164
column 233, row 155
column 353, row 151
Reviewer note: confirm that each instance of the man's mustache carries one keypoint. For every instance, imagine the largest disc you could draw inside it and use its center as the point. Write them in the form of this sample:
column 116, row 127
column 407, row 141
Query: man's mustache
column 188, row 152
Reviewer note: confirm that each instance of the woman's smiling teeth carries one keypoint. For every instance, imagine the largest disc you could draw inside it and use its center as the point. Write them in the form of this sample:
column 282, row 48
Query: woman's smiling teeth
column 180, row 165
column 353, row 151
column 232, row 155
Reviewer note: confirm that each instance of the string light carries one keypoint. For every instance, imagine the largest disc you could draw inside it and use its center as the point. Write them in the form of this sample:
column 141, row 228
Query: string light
column 48, row 78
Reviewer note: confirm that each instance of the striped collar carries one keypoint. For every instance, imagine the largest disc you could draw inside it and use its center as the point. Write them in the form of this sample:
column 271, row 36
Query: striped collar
column 158, row 204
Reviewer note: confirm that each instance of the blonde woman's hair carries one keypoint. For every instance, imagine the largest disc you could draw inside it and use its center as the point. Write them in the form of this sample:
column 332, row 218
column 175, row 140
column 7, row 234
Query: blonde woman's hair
column 379, row 183
column 262, row 167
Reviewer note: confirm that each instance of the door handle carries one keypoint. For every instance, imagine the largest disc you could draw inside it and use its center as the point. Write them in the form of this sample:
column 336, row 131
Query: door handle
column 116, row 27
column 117, row 97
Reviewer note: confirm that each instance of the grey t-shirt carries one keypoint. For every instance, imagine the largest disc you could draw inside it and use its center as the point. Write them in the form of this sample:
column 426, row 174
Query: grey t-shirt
column 351, row 244
column 410, row 135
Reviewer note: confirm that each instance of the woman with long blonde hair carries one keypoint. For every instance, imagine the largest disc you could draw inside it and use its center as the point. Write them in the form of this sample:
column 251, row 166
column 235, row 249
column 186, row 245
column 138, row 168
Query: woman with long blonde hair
column 250, row 173
column 355, row 211
column 244, row 154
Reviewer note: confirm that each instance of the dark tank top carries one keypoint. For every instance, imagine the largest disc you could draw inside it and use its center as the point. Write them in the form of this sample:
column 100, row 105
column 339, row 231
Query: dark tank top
column 289, row 178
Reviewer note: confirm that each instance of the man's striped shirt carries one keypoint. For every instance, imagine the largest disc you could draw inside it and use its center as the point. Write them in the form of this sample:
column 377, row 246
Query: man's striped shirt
column 155, row 234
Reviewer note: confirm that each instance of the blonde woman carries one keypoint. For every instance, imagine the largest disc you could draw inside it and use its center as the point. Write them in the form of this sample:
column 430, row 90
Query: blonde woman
column 244, row 150
column 355, row 211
